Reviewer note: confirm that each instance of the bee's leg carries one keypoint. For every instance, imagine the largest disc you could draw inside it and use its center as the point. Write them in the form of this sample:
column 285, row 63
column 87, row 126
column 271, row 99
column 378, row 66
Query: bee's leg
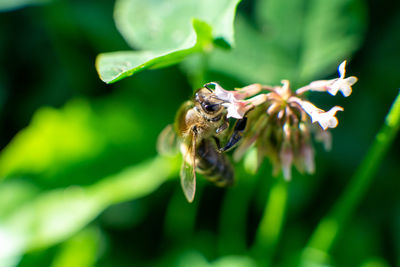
column 217, row 142
column 223, row 127
column 236, row 135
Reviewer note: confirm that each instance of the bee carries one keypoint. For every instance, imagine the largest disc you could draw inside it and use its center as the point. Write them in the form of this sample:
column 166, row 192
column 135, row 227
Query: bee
column 200, row 124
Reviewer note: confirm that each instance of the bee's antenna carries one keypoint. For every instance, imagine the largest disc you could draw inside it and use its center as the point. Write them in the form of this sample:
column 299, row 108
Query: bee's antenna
column 222, row 101
column 207, row 85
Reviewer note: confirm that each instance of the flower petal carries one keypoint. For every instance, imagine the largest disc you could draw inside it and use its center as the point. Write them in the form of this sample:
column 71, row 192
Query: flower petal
column 345, row 89
column 342, row 69
column 310, row 109
column 351, row 80
column 286, row 158
column 235, row 110
column 220, row 92
column 333, row 110
column 327, row 119
column 334, row 87
column 342, row 85
column 274, row 108
column 307, row 156
column 324, row 137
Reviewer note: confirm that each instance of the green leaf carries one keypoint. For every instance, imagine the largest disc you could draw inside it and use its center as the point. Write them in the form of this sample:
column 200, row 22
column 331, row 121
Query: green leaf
column 234, row 261
column 79, row 251
column 55, row 215
column 72, row 149
column 83, row 141
column 254, row 58
column 297, row 40
column 115, row 66
column 195, row 258
column 7, row 5
column 166, row 25
column 13, row 194
column 332, row 31
column 53, row 136
column 167, row 31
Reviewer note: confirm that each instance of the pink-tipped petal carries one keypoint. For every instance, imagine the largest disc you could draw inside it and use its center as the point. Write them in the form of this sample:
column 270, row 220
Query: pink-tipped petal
column 273, row 108
column 220, row 92
column 235, row 110
column 286, row 158
column 307, row 155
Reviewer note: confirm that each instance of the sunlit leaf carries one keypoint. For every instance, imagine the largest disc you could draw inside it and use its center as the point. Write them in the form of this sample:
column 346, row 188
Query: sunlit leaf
column 167, row 31
column 166, row 25
column 54, row 216
column 234, row 261
column 118, row 65
column 13, row 194
column 32, row 217
column 79, row 251
column 80, row 142
column 54, row 136
column 194, row 258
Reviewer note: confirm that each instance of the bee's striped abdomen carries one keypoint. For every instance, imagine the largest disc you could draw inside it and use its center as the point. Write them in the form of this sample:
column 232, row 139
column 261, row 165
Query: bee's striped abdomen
column 213, row 164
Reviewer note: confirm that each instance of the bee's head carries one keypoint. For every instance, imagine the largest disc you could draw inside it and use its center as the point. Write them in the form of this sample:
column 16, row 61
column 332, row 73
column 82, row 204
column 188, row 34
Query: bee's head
column 207, row 100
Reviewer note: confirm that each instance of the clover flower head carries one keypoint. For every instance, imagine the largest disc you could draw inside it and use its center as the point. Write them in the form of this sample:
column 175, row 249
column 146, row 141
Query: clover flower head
column 281, row 122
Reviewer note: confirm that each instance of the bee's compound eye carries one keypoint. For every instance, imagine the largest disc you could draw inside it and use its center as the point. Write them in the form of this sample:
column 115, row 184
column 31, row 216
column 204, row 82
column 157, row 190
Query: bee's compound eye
column 211, row 107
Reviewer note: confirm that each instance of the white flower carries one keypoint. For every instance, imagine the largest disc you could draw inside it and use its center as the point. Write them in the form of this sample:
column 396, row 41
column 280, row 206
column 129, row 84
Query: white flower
column 341, row 84
column 325, row 119
column 232, row 100
column 236, row 109
column 233, row 104
column 221, row 93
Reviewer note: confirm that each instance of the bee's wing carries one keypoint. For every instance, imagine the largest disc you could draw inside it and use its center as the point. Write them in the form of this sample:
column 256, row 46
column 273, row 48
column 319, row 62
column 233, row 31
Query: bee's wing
column 167, row 141
column 188, row 171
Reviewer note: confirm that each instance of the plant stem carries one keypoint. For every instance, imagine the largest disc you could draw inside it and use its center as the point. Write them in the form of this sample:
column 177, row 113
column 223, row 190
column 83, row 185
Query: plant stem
column 232, row 230
column 271, row 223
column 328, row 229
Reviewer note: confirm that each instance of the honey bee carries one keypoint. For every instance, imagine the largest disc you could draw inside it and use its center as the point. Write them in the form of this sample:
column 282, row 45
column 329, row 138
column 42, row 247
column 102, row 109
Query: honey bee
column 200, row 124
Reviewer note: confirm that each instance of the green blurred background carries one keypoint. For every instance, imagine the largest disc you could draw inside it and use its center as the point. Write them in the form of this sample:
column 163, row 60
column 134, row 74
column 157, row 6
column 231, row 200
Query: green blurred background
column 80, row 180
